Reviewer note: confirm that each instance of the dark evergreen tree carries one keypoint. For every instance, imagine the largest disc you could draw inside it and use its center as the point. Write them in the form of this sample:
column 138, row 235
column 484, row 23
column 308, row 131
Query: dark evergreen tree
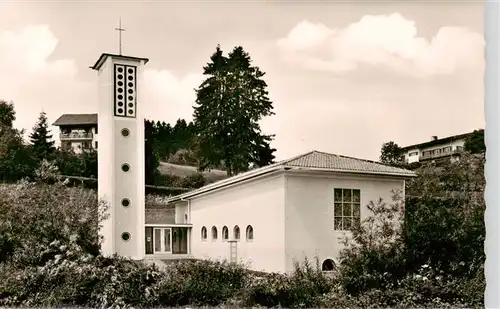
column 41, row 139
column 391, row 154
column 7, row 114
column 475, row 142
column 151, row 160
column 16, row 160
column 229, row 105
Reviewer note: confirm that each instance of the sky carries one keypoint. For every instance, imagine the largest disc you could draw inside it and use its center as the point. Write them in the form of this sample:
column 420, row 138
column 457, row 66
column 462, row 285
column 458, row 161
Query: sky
column 344, row 77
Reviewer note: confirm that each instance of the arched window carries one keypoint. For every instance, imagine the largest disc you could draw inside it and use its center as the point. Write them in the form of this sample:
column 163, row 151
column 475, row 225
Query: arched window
column 203, row 233
column 214, row 233
column 328, row 265
column 249, row 232
column 225, row 233
column 236, row 232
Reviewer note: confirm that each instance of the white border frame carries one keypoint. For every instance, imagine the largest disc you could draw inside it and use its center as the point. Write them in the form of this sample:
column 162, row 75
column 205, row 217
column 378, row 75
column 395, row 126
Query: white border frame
column 492, row 168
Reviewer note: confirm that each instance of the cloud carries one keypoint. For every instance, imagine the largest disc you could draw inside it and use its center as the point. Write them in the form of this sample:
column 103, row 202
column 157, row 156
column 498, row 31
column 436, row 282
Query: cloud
column 35, row 82
column 169, row 97
column 389, row 41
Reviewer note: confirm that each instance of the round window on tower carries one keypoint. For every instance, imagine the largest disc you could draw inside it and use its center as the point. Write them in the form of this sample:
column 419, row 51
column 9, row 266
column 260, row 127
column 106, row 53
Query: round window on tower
column 125, row 132
column 120, row 70
column 125, row 167
column 126, row 236
column 120, row 110
column 125, row 202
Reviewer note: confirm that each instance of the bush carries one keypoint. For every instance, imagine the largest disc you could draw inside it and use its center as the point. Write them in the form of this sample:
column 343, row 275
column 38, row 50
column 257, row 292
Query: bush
column 49, row 255
column 34, row 215
column 304, row 288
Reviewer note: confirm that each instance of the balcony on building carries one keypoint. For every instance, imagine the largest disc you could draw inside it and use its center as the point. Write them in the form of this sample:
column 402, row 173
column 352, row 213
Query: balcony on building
column 75, row 135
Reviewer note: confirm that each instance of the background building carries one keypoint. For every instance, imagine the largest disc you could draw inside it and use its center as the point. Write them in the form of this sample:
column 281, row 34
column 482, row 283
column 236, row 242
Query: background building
column 437, row 149
column 77, row 131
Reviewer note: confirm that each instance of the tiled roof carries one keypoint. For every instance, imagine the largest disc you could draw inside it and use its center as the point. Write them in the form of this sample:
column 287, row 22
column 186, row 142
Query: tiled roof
column 314, row 160
column 76, row 119
column 333, row 162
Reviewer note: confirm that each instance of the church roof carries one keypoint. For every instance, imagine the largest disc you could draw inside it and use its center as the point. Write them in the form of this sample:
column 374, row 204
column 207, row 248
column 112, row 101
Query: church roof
column 76, row 119
column 311, row 161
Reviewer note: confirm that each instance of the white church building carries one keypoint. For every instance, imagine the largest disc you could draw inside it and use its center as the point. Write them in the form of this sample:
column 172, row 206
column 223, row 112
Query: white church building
column 272, row 216
column 266, row 218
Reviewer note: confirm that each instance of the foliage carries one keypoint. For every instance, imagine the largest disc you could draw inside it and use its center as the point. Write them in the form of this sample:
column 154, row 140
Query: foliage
column 387, row 263
column 371, row 255
column 183, row 157
column 229, row 105
column 303, row 288
column 72, row 164
column 435, row 258
column 16, row 159
column 151, row 158
column 40, row 138
column 445, row 215
column 391, row 153
column 47, row 171
column 193, row 181
column 34, row 215
column 7, row 114
column 168, row 140
column 475, row 142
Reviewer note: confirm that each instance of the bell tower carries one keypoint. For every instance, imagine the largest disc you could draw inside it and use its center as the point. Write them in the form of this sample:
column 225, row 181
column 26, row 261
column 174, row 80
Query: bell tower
column 121, row 154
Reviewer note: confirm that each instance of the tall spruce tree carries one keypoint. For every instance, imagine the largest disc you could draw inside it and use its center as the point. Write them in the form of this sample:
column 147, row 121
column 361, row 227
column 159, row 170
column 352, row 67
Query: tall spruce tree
column 229, row 105
column 41, row 139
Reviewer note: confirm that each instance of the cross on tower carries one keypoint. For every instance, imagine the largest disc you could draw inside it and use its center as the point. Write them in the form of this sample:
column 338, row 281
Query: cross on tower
column 120, row 29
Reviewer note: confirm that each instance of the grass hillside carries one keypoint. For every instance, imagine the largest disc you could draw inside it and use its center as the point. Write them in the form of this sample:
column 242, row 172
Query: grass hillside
column 185, row 170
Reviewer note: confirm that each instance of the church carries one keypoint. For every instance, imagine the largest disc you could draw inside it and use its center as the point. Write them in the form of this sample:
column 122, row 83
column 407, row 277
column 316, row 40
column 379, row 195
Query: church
column 266, row 218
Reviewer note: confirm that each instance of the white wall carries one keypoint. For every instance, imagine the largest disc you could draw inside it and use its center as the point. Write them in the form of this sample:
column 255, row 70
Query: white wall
column 115, row 150
column 259, row 203
column 309, row 212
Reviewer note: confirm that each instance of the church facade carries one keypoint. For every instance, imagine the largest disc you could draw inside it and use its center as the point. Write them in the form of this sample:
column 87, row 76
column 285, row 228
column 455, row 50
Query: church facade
column 266, row 218
column 272, row 216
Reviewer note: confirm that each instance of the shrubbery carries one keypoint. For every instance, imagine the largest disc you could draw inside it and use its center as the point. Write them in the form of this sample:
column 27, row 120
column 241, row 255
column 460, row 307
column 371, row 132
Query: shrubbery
column 49, row 255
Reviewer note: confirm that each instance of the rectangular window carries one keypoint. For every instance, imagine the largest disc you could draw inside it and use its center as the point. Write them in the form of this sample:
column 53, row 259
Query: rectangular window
column 347, row 209
column 162, row 240
column 413, row 153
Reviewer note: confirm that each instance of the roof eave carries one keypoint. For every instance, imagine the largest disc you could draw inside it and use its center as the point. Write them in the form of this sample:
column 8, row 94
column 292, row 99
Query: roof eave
column 104, row 56
column 210, row 188
column 340, row 171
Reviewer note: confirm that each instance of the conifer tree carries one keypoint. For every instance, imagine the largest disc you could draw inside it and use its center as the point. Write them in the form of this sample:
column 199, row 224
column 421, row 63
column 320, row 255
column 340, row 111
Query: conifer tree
column 41, row 139
column 229, row 105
